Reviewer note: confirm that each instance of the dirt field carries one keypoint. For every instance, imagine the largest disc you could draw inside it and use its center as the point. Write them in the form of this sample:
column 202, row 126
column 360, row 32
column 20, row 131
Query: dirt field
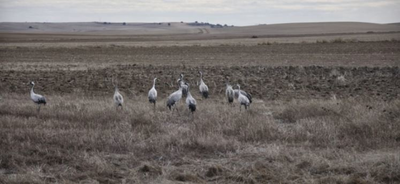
column 325, row 109
column 277, row 71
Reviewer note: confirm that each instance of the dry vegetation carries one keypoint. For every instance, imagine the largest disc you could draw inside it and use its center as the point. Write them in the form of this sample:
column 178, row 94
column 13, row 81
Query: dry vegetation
column 83, row 139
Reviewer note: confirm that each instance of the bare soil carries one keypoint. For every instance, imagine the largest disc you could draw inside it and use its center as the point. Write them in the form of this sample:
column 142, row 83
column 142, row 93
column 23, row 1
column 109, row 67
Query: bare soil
column 276, row 71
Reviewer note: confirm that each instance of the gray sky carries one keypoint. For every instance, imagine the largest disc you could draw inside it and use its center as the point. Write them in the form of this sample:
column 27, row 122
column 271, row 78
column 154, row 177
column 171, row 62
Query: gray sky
column 244, row 12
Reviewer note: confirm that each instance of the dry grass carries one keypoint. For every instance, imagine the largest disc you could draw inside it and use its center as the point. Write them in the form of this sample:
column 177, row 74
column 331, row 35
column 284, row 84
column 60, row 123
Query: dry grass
column 83, row 139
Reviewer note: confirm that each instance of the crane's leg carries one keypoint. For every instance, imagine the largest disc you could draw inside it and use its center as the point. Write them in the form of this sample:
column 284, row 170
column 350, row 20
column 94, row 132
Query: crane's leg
column 38, row 110
column 154, row 106
column 240, row 107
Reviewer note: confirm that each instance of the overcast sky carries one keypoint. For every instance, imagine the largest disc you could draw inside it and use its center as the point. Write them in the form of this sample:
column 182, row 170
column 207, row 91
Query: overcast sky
column 240, row 12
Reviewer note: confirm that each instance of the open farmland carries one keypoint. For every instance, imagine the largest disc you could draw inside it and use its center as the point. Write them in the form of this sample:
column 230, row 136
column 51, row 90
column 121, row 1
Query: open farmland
column 277, row 71
column 325, row 109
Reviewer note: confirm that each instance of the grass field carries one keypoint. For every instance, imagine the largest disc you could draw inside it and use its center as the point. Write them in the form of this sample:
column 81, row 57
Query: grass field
column 83, row 139
column 326, row 108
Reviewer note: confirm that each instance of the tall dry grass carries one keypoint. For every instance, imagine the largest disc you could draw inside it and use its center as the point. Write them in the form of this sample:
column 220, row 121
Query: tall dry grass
column 84, row 139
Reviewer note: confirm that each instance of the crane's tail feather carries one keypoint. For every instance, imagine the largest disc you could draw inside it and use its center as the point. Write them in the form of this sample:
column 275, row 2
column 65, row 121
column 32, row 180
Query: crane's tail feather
column 230, row 99
column 192, row 107
column 249, row 97
column 42, row 101
column 205, row 94
column 170, row 104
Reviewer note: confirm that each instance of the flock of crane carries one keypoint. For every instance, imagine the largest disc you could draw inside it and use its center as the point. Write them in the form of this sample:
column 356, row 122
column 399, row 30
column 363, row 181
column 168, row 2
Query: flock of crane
column 242, row 97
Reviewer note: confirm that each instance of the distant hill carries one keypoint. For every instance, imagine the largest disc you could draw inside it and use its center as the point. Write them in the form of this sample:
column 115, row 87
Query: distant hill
column 97, row 28
column 395, row 23
column 177, row 28
column 316, row 28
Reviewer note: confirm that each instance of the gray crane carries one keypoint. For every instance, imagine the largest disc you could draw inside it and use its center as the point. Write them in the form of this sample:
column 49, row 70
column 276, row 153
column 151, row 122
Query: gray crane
column 182, row 84
column 191, row 102
column 203, row 87
column 174, row 98
column 229, row 93
column 236, row 92
column 243, row 100
column 36, row 98
column 153, row 94
column 118, row 99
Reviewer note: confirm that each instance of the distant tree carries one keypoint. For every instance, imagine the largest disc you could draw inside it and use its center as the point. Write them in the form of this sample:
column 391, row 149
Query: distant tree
column 159, row 23
column 196, row 22
column 225, row 25
column 30, row 27
column 124, row 23
column 181, row 21
column 169, row 24
column 104, row 22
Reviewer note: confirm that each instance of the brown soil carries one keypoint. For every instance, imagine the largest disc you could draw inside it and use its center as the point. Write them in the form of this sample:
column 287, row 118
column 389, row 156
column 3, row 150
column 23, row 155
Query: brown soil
column 277, row 71
column 263, row 82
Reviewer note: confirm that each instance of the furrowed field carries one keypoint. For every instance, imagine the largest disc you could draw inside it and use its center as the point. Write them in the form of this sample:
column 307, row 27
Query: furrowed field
column 326, row 112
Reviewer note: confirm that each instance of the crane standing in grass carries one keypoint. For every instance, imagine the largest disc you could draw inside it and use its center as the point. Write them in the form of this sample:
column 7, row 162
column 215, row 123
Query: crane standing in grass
column 243, row 100
column 229, row 93
column 203, row 87
column 183, row 84
column 153, row 94
column 236, row 92
column 191, row 102
column 174, row 98
column 118, row 99
column 38, row 99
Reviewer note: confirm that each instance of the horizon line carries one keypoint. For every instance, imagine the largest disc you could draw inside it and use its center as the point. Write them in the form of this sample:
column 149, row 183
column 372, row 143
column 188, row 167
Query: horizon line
column 60, row 22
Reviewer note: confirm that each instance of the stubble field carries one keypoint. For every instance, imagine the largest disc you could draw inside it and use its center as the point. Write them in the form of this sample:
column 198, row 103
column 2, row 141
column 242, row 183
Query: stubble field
column 326, row 112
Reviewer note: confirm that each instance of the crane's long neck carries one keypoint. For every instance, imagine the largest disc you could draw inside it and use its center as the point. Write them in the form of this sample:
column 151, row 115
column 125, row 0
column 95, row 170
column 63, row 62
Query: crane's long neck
column 154, row 83
column 116, row 89
column 32, row 90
